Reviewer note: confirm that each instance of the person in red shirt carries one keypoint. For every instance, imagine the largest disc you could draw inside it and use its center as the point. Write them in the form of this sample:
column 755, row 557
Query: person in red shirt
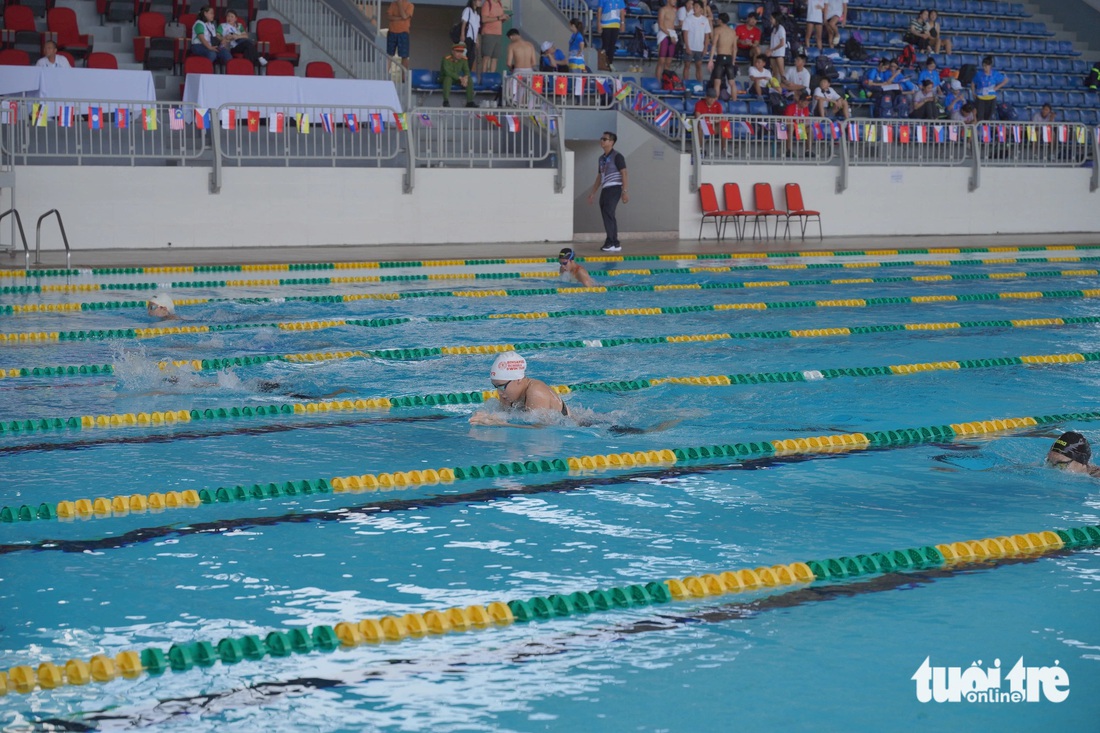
column 709, row 105
column 748, row 38
column 800, row 107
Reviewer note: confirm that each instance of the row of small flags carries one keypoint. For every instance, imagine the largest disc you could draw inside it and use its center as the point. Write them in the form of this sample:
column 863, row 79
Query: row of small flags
column 564, row 84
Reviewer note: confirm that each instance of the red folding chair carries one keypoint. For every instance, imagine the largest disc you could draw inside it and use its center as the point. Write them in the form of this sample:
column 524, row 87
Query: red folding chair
column 735, row 209
column 708, row 200
column 798, row 210
column 765, row 207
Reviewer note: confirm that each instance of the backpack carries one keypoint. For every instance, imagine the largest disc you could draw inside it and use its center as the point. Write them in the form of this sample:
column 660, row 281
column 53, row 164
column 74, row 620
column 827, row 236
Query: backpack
column 967, row 72
column 636, row 46
column 854, row 50
column 456, row 31
column 1006, row 112
column 1092, row 80
column 671, row 81
column 907, row 59
column 794, row 38
column 824, row 66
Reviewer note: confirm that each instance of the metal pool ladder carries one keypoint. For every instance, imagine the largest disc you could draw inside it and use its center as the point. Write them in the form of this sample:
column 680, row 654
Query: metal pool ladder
column 22, row 236
column 38, row 238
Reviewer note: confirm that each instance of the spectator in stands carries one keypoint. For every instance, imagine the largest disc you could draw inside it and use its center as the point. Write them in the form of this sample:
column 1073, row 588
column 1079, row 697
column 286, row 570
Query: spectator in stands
column 471, row 28
column 456, row 70
column 399, row 14
column 570, row 268
column 666, row 36
column 723, row 44
column 748, row 38
column 777, row 49
column 836, row 15
column 204, row 37
column 828, row 103
column 985, row 86
column 552, row 59
column 162, row 307
column 966, row 114
column 576, row 48
column 1045, row 115
column 919, row 34
column 696, row 40
column 924, row 102
column 683, row 10
column 797, row 79
column 611, row 182
column 930, row 71
column 233, row 34
column 759, row 77
column 800, row 107
column 815, row 19
column 522, row 56
column 612, row 20
column 938, row 41
column 872, row 83
column 50, row 59
column 709, row 105
column 955, row 99
column 492, row 29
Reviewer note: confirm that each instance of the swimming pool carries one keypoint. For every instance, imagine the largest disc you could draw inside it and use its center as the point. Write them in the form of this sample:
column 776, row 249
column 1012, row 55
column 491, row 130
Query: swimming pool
column 827, row 356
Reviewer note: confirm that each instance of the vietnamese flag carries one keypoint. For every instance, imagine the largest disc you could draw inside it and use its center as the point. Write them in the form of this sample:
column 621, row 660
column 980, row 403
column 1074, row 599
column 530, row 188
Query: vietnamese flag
column 493, row 119
column 726, row 129
column 561, row 85
column 903, row 134
column 538, row 83
column 253, row 120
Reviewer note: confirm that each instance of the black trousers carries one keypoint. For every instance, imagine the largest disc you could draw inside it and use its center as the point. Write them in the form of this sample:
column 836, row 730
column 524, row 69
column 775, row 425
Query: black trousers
column 609, row 37
column 986, row 108
column 609, row 200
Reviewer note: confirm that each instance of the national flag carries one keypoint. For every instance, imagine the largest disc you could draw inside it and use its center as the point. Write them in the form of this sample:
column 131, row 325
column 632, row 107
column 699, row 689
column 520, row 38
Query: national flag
column 1048, row 135
column 748, row 128
column 493, row 119
column 512, row 123
column 578, row 86
column 425, row 120
column 1002, row 133
column 705, row 128
column 202, row 119
column 537, row 121
column 276, row 122
column 819, row 132
column 653, row 106
column 538, row 83
column 122, row 118
column 921, row 134
column 39, row 113
column 853, row 132
column 1017, row 134
column 228, row 118
column 953, row 133
column 904, row 134
column 781, row 131
column 149, row 119
column 301, row 119
column 400, row 121
column 663, row 119
column 12, row 110
column 601, row 86
column 351, row 121
column 986, row 134
column 175, row 120
column 639, row 102
column 1032, row 134
column 887, row 134
column 938, row 133
column 377, row 124
column 553, row 125
column 725, row 129
column 1080, row 135
column 65, row 116
column 870, row 133
column 800, row 131
column 1063, row 134
column 622, row 93
column 253, row 120
column 561, row 85
column 326, row 121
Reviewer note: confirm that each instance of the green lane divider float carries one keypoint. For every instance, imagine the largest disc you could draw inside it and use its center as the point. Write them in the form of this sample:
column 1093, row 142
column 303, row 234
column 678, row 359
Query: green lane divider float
column 185, row 656
column 130, row 419
column 121, row 505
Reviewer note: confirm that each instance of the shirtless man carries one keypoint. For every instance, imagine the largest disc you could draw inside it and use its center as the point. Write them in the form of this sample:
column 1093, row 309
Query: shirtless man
column 522, row 56
column 517, row 391
column 722, row 50
column 666, row 36
column 569, row 265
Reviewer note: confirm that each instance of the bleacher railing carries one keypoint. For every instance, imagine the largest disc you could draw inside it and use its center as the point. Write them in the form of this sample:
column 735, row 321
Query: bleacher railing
column 764, row 139
column 582, row 11
column 82, row 131
column 601, row 91
column 1014, row 144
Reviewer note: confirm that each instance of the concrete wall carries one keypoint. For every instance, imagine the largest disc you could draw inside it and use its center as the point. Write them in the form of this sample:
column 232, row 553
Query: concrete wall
column 150, row 207
column 917, row 201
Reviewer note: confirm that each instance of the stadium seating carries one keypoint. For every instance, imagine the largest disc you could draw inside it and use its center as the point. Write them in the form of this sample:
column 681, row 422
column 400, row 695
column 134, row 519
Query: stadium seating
column 101, row 60
column 319, row 70
column 62, row 21
column 14, row 57
column 272, row 43
column 279, row 67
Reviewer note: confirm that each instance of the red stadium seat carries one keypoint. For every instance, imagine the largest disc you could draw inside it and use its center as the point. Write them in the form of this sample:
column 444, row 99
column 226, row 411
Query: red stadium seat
column 240, row 67
column 69, row 57
column 197, row 65
column 62, row 21
column 798, row 210
column 101, row 60
column 319, row 70
column 279, row 67
column 19, row 18
column 272, row 44
column 118, row 11
column 153, row 47
column 14, row 57
column 19, row 31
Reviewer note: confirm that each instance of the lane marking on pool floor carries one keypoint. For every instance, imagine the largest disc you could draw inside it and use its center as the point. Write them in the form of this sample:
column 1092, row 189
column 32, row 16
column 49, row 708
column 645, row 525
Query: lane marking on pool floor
column 121, row 505
column 184, row 656
column 185, row 415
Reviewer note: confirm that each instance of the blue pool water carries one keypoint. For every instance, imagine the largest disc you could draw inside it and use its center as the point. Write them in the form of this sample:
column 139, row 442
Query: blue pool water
column 829, row 656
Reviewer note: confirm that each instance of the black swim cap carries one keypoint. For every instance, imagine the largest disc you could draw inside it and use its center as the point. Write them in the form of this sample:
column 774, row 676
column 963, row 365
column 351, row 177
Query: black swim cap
column 1073, row 446
column 566, row 253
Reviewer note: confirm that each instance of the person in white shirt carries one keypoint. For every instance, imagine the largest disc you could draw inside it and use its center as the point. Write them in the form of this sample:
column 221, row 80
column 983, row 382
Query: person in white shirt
column 51, row 60
column 696, row 40
column 759, row 77
column 815, row 18
column 777, row 49
column 827, row 102
column 836, row 15
column 797, row 79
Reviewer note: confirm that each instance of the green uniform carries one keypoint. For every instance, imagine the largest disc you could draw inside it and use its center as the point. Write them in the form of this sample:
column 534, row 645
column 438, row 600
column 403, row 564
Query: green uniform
column 450, row 71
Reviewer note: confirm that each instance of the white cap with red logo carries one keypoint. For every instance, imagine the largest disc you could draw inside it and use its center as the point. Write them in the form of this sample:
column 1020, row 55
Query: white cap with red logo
column 508, row 366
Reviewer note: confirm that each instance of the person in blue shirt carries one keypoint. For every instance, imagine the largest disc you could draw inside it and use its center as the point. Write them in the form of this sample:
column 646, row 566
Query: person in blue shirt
column 955, row 99
column 986, row 84
column 576, row 48
column 930, row 72
column 872, row 82
column 552, row 59
column 612, row 19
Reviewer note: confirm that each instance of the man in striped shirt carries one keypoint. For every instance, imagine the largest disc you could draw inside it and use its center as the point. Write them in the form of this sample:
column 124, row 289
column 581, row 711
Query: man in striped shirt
column 611, row 182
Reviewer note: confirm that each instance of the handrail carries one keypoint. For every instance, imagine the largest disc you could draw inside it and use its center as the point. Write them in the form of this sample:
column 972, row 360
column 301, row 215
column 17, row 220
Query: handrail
column 64, row 238
column 1094, row 180
column 26, row 249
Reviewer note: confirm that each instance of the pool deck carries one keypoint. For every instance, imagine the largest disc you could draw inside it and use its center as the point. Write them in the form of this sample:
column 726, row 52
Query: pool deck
column 634, row 246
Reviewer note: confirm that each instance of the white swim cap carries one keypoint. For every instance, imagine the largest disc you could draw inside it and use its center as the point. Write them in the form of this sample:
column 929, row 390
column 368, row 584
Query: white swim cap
column 508, row 366
column 162, row 301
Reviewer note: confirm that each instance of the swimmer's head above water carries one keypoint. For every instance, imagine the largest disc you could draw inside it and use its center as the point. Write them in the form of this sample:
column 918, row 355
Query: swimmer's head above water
column 160, row 306
column 1071, row 452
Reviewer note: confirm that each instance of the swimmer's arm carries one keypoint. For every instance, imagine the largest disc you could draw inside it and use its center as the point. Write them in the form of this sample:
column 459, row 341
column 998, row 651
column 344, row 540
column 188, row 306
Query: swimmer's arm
column 489, row 419
column 585, row 278
column 1094, row 471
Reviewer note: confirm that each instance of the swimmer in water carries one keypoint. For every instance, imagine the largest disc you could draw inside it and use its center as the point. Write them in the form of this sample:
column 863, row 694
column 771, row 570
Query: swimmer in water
column 568, row 266
column 162, row 307
column 1071, row 452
